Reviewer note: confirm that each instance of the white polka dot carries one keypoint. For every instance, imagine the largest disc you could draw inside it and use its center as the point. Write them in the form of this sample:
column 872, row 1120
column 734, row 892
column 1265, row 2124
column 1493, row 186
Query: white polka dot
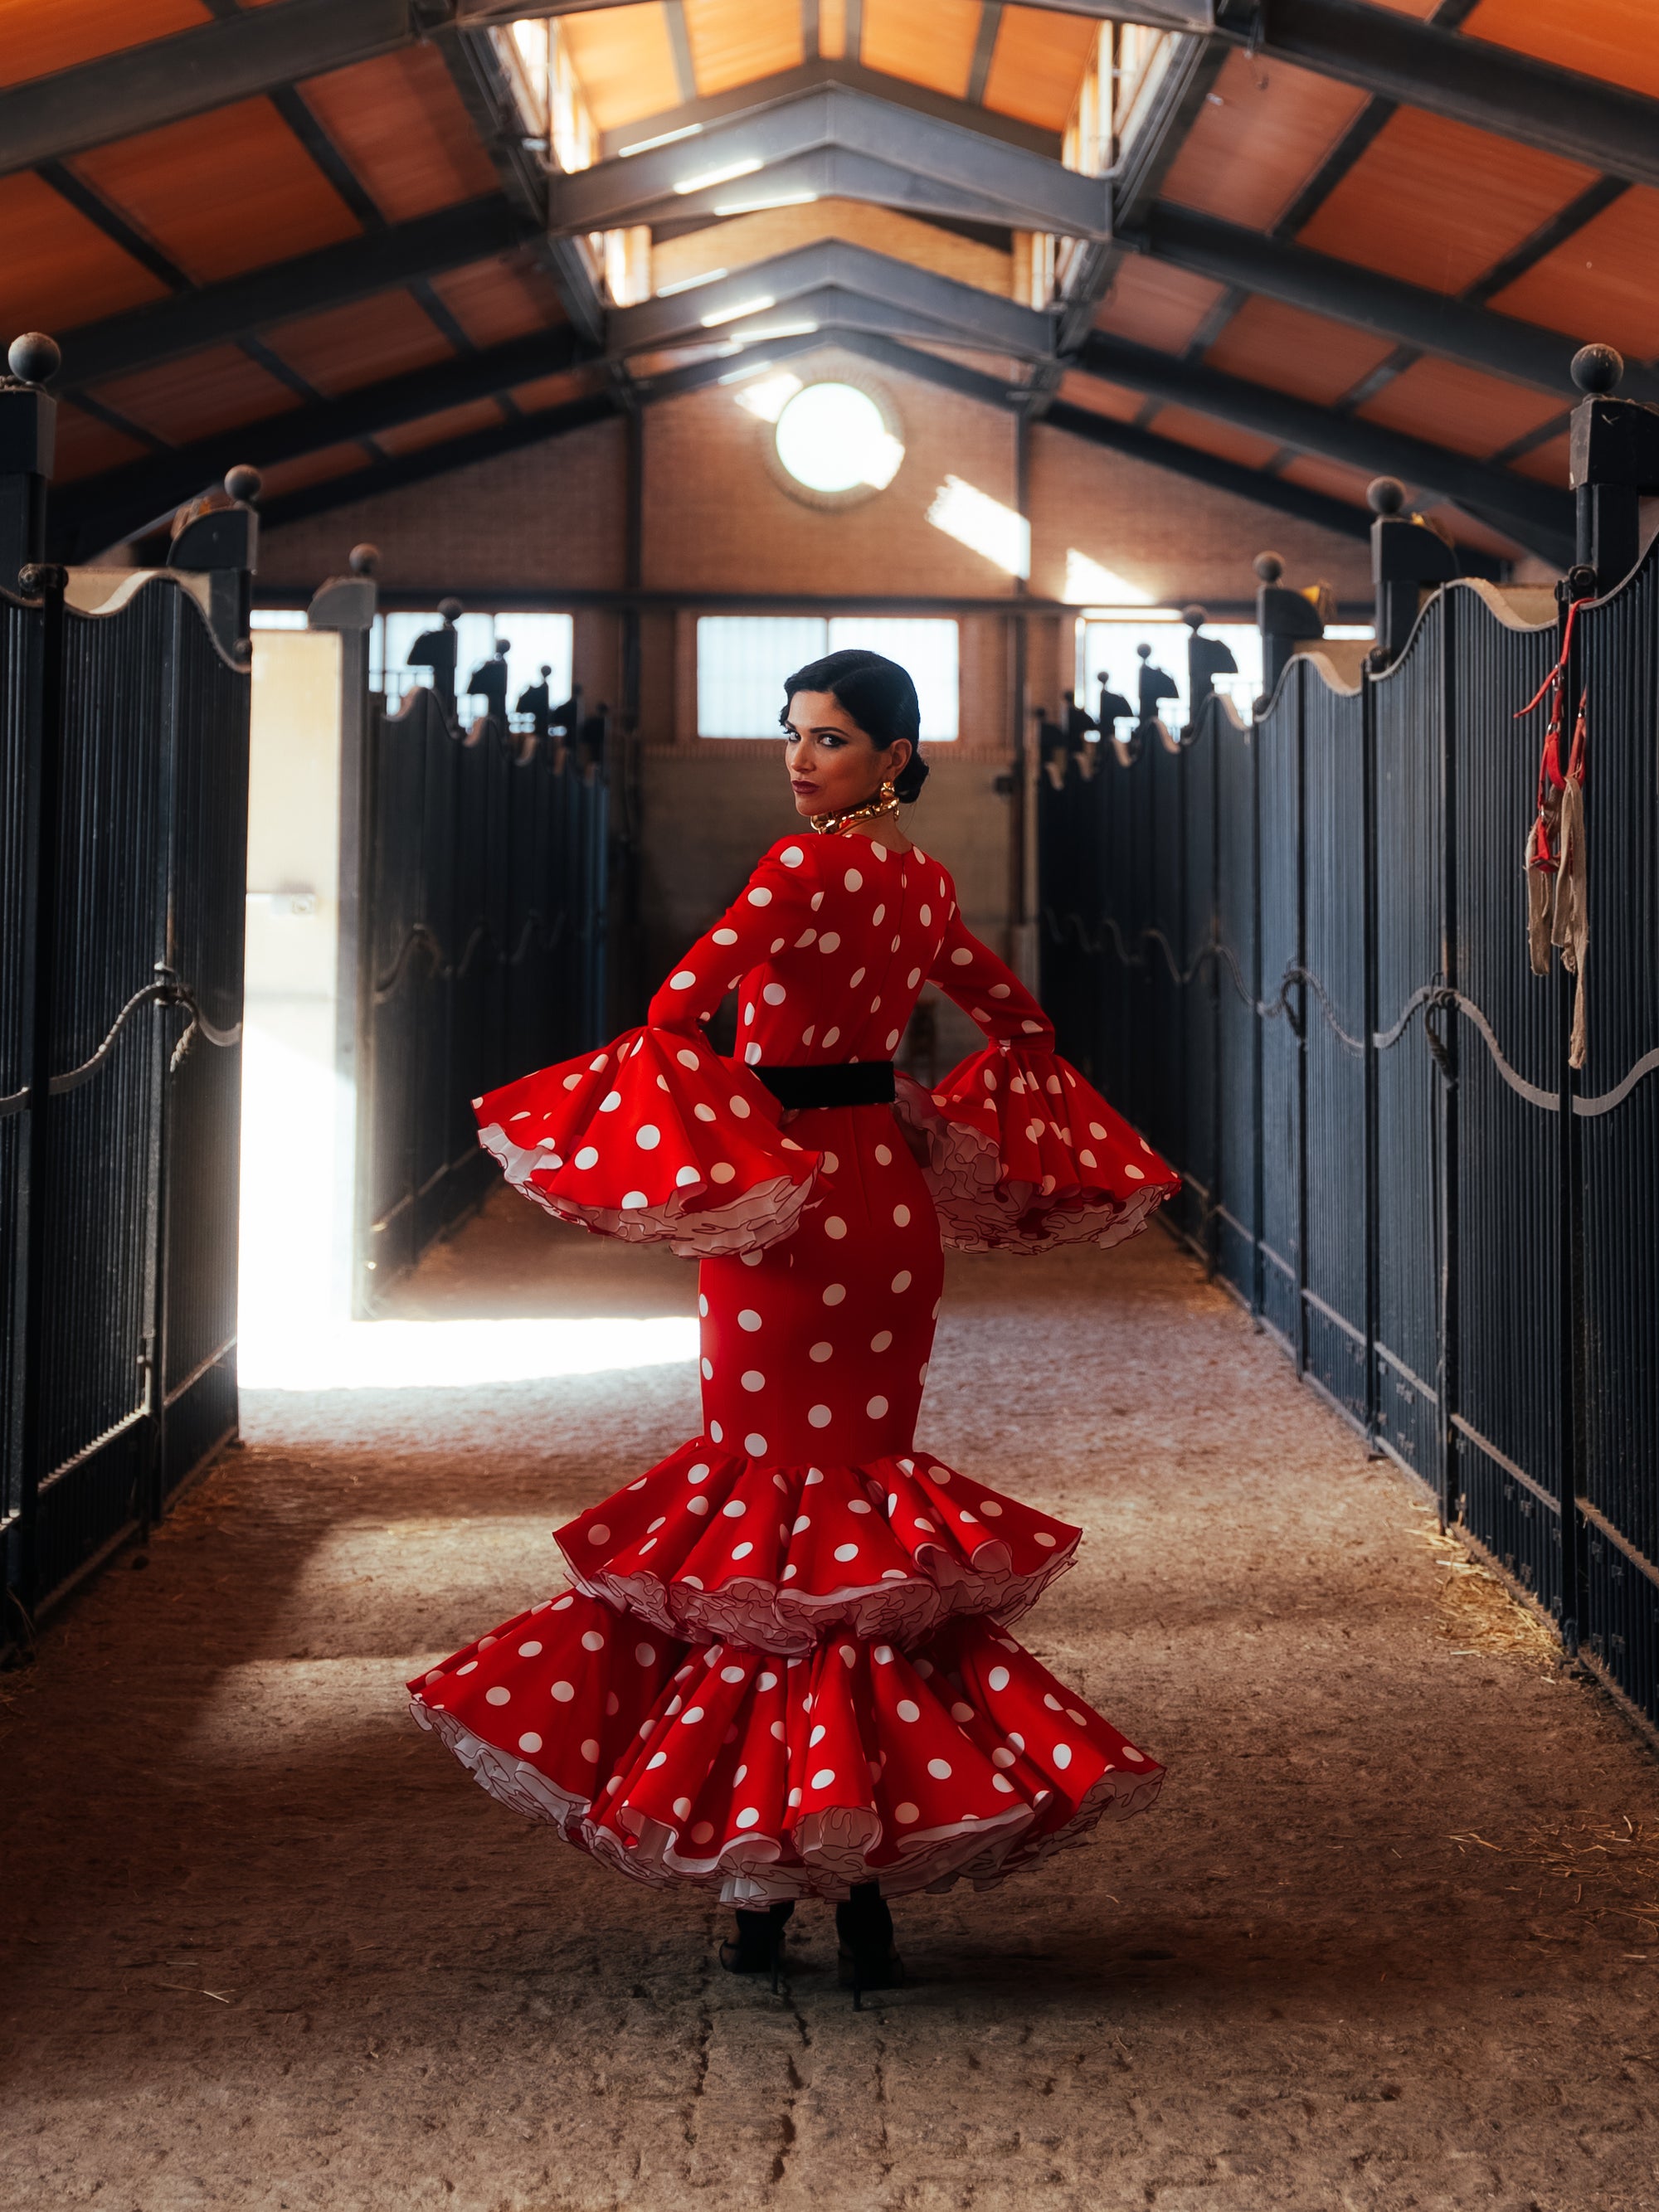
column 834, row 1293
column 821, row 1353
column 959, row 1712
column 498, row 1696
column 587, row 1157
column 751, row 1054
column 775, row 994
column 829, row 1037
column 843, row 1553
column 691, row 1716
column 749, row 1817
column 893, row 1037
column 698, row 1505
column 908, row 1710
column 633, row 1200
column 708, row 1371
column 830, row 941
column 1002, row 1756
column 533, row 1650
column 530, row 1741
column 704, row 1113
column 760, row 895
column 990, row 1506
column 901, row 1281
column 836, row 1227
column 792, row 856
column 855, row 978
column 901, row 1217
column 1062, row 1756
column 753, row 1379
column 733, row 1510
column 1139, row 1757
column 564, row 1691
column 819, row 1417
column 722, row 1172
column 1047, row 1541
column 906, row 1813
column 685, row 1177
column 598, row 1534
column 881, row 1340
column 755, row 1445
column 876, row 1408
column 824, row 1778
column 939, row 1769
column 742, row 1551
column 591, row 1641
column 884, row 1157
column 682, row 981
column 1134, row 1174
column 591, row 1750
column 657, row 1759
column 716, row 1432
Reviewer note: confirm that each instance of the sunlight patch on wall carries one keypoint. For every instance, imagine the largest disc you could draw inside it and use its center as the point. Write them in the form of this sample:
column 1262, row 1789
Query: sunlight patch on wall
column 983, row 524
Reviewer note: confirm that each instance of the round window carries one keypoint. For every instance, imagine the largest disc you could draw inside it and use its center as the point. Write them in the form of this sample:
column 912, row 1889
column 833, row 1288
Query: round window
column 833, row 439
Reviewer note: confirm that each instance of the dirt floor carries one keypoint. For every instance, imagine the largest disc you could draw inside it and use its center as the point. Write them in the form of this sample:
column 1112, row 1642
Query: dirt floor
column 1390, row 1939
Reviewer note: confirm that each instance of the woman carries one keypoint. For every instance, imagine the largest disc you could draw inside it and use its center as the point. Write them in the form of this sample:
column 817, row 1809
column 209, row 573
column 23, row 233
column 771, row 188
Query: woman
column 783, row 1668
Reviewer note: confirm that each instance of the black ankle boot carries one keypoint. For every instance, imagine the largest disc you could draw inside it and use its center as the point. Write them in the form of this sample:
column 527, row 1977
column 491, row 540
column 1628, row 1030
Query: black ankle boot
column 757, row 1947
column 864, row 1927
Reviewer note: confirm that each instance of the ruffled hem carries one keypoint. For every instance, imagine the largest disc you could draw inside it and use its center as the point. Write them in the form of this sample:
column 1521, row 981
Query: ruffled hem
column 1006, row 1173
column 725, row 1769
column 654, row 1140
column 711, row 1546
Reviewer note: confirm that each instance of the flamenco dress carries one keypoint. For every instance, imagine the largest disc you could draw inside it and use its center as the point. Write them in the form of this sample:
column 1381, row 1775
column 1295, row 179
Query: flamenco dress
column 782, row 1666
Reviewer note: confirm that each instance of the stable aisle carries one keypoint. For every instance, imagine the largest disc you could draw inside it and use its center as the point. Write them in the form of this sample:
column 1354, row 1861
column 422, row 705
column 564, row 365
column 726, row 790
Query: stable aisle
column 1390, row 1938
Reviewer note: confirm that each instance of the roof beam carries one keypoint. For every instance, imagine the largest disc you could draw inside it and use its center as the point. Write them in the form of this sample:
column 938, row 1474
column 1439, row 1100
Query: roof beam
column 355, row 269
column 510, row 437
column 827, row 173
column 1539, row 518
column 717, row 310
column 1407, row 315
column 104, row 510
column 1004, row 183
column 1465, row 78
column 694, row 117
column 166, row 80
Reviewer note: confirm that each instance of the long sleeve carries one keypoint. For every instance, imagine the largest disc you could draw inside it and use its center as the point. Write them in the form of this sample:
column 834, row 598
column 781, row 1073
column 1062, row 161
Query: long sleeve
column 769, row 913
column 988, row 989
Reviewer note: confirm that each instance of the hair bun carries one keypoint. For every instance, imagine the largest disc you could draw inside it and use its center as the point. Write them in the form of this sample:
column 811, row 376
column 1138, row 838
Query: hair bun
column 910, row 778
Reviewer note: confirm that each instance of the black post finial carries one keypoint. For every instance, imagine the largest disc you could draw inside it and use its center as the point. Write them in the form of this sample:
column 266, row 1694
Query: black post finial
column 451, row 609
column 1268, row 567
column 33, row 358
column 364, row 560
column 1596, row 369
column 1385, row 495
column 243, row 484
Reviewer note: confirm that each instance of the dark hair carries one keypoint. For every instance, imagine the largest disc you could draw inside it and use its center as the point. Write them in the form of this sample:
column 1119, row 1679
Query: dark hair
column 879, row 696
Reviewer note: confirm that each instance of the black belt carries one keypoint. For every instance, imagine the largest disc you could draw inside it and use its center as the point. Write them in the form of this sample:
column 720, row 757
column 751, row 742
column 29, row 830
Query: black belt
column 838, row 1083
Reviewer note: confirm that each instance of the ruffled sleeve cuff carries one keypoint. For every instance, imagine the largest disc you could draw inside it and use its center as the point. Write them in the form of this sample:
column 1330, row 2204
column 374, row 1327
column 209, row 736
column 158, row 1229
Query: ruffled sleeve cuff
column 1021, row 1154
column 654, row 1139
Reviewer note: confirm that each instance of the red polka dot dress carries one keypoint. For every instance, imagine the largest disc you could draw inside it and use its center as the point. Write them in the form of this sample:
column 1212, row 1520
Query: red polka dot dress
column 782, row 1665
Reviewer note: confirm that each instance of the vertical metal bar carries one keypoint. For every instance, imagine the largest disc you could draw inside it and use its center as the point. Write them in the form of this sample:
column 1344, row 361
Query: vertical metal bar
column 44, row 769
column 1572, row 1351
column 1448, row 1379
column 1370, row 957
column 161, row 1051
column 1299, row 685
column 1212, row 1221
column 1258, row 1203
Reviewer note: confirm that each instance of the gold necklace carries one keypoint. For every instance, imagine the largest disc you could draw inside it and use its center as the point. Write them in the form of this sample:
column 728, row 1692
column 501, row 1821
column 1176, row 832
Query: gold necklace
column 886, row 801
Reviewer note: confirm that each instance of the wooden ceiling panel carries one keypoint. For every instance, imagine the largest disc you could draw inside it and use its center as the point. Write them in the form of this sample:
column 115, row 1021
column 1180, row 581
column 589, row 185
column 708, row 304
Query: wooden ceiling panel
column 735, row 41
column 1599, row 283
column 400, row 124
column 435, row 429
column 932, row 43
column 1454, row 406
column 625, row 62
column 495, row 300
column 1546, row 464
column 1263, row 131
column 86, row 446
column 222, row 192
column 1438, row 203
column 832, row 29
column 359, row 342
column 203, row 394
column 1206, row 435
column 321, row 467
column 744, row 239
column 1469, row 530
column 39, row 37
column 58, row 268
column 1099, row 398
column 1423, row 9
column 1612, row 39
column 1156, row 306
column 555, row 390
column 1297, row 352
column 1037, row 66
column 1331, row 477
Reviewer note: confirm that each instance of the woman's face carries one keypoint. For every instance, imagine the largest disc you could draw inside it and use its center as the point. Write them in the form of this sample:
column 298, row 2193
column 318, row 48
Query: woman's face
column 832, row 763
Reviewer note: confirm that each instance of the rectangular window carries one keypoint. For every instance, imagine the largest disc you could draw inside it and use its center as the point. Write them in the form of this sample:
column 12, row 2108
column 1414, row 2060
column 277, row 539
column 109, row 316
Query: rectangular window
column 1109, row 648
column 744, row 660
column 532, row 639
